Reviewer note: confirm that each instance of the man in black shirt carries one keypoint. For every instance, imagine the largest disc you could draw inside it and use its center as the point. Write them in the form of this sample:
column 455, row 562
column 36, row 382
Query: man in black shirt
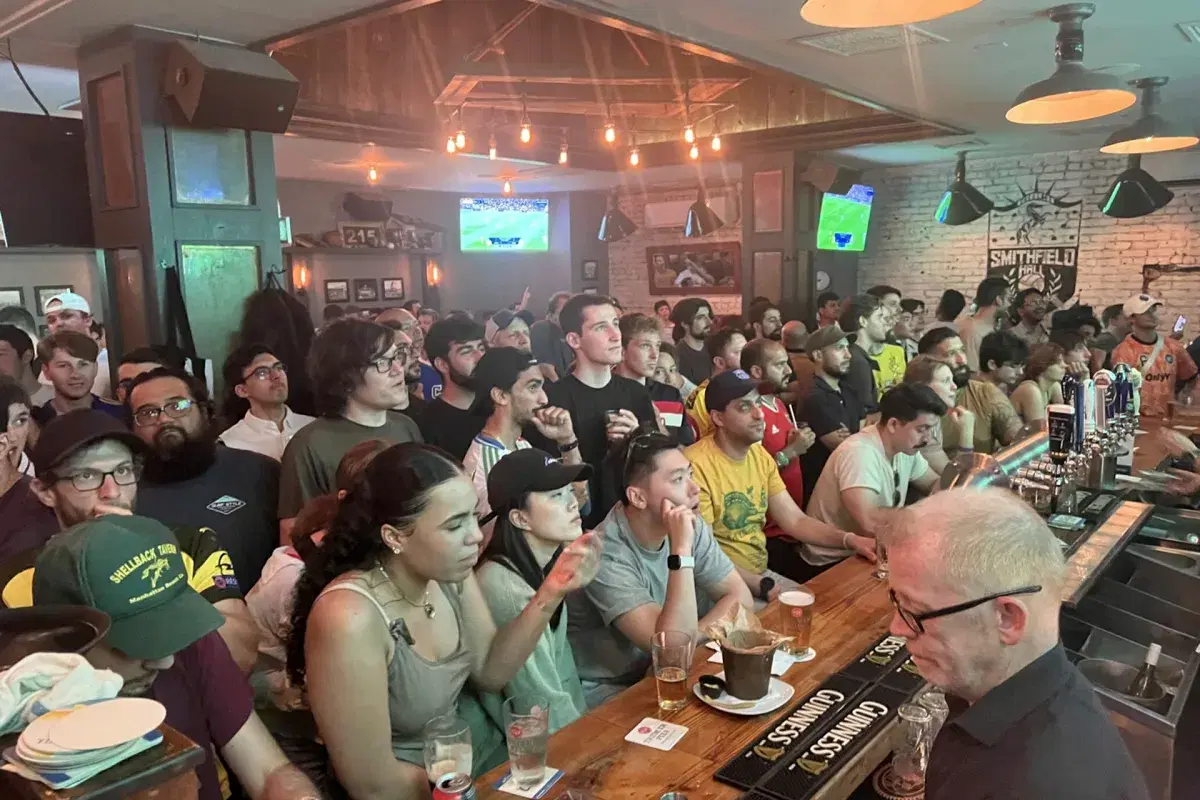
column 693, row 318
column 833, row 409
column 604, row 407
column 975, row 579
column 548, row 343
column 454, row 346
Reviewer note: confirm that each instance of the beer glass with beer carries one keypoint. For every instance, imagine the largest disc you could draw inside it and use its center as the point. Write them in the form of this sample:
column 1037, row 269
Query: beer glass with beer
column 672, row 654
column 797, row 609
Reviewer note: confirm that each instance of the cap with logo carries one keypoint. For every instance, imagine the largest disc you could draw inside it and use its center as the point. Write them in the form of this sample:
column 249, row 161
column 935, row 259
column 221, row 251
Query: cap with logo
column 723, row 389
column 824, row 337
column 499, row 368
column 131, row 568
column 502, row 319
column 67, row 433
column 1139, row 304
column 528, row 470
column 67, row 301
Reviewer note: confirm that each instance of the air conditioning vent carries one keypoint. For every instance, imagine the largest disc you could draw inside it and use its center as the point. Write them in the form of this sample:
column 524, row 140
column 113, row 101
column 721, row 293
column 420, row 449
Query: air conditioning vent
column 1190, row 31
column 859, row 41
column 673, row 213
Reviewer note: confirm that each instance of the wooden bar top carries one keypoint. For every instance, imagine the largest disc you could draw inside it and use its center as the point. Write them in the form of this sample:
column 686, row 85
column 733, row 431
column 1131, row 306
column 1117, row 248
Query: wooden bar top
column 852, row 610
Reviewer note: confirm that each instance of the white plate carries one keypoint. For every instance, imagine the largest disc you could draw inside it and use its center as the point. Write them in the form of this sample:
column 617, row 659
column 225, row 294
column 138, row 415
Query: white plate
column 106, row 724
column 778, row 693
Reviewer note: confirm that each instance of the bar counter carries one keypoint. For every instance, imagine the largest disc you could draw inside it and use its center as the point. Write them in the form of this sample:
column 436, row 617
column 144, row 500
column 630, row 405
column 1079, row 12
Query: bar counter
column 852, row 611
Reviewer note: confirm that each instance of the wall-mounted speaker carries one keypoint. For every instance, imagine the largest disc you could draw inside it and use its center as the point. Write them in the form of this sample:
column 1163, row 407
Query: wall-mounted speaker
column 219, row 86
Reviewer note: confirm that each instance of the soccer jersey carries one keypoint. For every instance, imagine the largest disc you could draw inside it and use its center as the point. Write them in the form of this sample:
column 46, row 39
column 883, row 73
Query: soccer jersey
column 1172, row 368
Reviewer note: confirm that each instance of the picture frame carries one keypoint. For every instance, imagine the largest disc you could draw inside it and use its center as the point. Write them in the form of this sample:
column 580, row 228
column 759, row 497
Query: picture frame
column 393, row 288
column 366, row 290
column 43, row 293
column 337, row 291
column 12, row 296
column 711, row 268
column 590, row 269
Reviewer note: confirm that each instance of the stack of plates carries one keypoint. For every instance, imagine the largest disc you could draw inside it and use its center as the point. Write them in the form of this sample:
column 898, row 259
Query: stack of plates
column 64, row 748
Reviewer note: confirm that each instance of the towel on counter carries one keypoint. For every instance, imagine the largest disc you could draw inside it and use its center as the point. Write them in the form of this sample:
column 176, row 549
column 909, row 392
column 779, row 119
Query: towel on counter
column 47, row 681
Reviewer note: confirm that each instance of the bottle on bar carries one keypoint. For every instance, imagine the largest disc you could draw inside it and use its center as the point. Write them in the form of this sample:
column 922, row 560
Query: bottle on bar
column 1144, row 683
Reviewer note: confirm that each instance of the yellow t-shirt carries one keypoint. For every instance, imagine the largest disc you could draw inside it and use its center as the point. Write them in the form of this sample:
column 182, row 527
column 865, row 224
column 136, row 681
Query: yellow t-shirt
column 733, row 498
column 891, row 366
column 697, row 411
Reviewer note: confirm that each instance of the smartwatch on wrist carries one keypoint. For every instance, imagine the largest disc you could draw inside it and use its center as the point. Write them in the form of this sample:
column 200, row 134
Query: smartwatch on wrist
column 681, row 562
column 764, row 588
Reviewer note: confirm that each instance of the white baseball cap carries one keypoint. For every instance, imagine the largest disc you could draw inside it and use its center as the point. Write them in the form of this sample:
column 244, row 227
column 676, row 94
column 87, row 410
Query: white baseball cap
column 69, row 301
column 1139, row 304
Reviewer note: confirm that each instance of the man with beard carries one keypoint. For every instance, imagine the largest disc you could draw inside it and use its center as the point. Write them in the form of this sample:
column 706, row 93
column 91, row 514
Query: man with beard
column 985, row 395
column 693, row 318
column 359, row 374
column 454, row 346
column 88, row 466
column 946, row 346
column 832, row 409
column 189, row 480
column 766, row 320
column 509, row 329
column 510, row 392
column 740, row 486
column 1029, row 315
column 548, row 343
column 69, row 364
column 724, row 348
column 163, row 643
column 256, row 383
column 642, row 341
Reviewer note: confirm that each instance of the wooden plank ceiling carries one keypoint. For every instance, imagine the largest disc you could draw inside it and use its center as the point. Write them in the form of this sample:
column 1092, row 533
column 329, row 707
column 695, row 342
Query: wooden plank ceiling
column 411, row 73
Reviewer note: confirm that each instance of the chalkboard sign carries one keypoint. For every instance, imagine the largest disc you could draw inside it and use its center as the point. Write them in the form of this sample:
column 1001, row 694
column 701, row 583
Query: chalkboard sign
column 362, row 234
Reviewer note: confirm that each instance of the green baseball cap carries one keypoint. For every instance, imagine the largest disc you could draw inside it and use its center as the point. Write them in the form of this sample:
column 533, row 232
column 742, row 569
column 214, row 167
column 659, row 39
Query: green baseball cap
column 130, row 568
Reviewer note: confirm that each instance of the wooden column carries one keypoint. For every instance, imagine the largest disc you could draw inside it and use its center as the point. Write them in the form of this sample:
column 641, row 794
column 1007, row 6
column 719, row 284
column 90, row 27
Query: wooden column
column 166, row 193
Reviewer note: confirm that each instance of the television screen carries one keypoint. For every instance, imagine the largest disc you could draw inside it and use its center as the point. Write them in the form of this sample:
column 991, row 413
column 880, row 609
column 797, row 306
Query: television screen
column 844, row 219
column 503, row 223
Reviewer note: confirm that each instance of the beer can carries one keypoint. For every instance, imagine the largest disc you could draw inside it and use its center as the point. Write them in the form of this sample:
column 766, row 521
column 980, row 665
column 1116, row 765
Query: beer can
column 455, row 786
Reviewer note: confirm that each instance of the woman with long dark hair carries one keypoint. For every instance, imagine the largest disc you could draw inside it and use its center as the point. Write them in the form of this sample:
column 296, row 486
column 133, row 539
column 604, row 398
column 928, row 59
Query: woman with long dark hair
column 537, row 515
column 389, row 621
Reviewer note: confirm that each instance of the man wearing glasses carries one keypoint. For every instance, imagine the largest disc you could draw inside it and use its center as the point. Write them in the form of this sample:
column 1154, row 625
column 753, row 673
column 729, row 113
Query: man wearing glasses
column 188, row 479
column 975, row 579
column 256, row 389
column 358, row 375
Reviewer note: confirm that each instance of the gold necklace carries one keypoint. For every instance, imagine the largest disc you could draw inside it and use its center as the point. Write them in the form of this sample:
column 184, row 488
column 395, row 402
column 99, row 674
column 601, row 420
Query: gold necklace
column 425, row 603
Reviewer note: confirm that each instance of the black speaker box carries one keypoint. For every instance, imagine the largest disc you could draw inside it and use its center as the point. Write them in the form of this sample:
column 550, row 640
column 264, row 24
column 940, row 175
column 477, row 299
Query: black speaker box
column 219, row 86
column 367, row 208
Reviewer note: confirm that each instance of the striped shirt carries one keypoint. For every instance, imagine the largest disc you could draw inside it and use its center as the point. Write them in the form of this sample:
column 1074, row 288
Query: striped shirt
column 481, row 456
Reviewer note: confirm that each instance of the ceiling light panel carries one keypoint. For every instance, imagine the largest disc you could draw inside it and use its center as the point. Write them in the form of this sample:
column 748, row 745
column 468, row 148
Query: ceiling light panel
column 860, row 41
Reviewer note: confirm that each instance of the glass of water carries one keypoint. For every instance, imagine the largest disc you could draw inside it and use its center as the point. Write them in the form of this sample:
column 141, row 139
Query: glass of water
column 527, row 730
column 447, row 747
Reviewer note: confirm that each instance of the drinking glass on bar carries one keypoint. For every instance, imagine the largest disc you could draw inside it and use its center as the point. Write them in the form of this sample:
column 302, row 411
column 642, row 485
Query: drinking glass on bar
column 447, row 747
column 796, row 606
column 911, row 756
column 672, row 654
column 527, row 731
column 881, row 563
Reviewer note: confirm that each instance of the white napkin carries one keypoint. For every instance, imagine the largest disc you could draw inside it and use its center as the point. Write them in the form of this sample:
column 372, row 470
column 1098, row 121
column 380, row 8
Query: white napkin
column 47, row 681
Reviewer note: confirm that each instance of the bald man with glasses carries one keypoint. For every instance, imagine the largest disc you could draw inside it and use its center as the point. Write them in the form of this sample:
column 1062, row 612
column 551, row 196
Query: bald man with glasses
column 976, row 578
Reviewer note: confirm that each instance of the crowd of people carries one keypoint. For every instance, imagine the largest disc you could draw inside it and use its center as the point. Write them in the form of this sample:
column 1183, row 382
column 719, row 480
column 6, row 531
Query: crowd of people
column 393, row 518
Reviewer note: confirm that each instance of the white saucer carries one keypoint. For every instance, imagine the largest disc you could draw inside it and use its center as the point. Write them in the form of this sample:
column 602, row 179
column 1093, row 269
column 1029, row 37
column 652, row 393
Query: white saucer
column 778, row 693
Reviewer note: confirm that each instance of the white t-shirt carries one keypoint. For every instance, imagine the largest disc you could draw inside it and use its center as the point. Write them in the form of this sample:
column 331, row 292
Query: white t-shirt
column 858, row 462
column 264, row 436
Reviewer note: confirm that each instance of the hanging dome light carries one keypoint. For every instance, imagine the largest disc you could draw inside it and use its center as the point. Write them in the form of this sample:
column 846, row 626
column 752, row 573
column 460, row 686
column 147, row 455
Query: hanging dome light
column 962, row 203
column 701, row 220
column 878, row 13
column 615, row 226
column 1135, row 193
column 372, row 174
column 1152, row 133
column 1073, row 93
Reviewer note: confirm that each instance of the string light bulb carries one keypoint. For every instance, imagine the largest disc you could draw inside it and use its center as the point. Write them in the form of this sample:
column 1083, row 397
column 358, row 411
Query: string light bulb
column 635, row 157
column 689, row 134
column 460, row 139
column 507, row 188
column 372, row 174
column 610, row 132
column 451, row 147
column 526, row 133
column 694, row 152
column 562, row 154
column 492, row 147
column 716, row 142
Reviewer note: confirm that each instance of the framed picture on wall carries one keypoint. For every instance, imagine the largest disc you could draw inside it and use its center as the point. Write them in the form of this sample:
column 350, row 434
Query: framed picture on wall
column 590, row 269
column 366, row 290
column 701, row 269
column 43, row 293
column 337, row 291
column 12, row 296
column 393, row 288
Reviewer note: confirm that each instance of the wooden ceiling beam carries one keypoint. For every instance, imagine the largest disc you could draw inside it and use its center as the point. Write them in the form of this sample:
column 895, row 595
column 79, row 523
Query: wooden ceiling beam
column 515, row 72
column 493, row 42
column 390, row 8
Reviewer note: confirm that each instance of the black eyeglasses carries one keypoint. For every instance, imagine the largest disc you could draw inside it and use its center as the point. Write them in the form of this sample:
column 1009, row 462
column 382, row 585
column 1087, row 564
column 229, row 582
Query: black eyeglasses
column 176, row 408
column 644, row 440
column 263, row 373
column 384, row 365
column 914, row 621
column 89, row 480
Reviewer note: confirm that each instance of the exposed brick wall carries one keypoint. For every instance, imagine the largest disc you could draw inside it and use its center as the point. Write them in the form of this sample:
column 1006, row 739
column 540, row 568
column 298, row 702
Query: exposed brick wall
column 627, row 276
column 908, row 249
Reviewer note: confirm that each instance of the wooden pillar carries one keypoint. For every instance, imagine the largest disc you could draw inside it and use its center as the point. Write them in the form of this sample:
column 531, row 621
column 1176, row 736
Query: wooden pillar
column 167, row 193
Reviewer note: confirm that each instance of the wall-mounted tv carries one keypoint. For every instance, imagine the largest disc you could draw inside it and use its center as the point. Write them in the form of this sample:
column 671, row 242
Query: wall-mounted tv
column 844, row 219
column 500, row 224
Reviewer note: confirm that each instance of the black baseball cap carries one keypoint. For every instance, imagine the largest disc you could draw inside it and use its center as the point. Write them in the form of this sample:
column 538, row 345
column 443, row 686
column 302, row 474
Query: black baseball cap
column 528, row 470
column 498, row 368
column 502, row 319
column 723, row 389
column 67, row 433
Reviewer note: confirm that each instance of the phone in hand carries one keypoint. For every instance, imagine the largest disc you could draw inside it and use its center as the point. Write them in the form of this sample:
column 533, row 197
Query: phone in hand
column 1180, row 322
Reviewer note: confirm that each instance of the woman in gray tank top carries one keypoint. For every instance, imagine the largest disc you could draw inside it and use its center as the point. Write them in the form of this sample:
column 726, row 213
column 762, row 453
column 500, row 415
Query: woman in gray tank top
column 390, row 624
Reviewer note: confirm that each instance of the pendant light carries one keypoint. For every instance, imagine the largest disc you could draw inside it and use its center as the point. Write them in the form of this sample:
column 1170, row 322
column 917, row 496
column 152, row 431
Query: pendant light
column 526, row 125
column 372, row 174
column 1152, row 133
column 1073, row 93
column 1135, row 193
column 878, row 13
column 507, row 188
column 615, row 226
column 563, row 157
column 694, row 152
column 701, row 220
column 962, row 203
